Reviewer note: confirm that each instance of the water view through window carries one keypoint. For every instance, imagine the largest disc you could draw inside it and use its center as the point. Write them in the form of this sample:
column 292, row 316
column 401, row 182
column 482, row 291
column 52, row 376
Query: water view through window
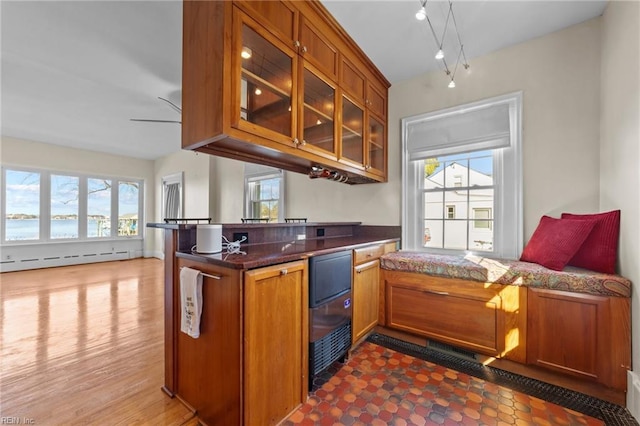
column 74, row 206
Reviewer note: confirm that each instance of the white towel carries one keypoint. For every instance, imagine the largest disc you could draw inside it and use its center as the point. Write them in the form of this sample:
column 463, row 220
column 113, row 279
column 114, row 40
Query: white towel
column 190, row 301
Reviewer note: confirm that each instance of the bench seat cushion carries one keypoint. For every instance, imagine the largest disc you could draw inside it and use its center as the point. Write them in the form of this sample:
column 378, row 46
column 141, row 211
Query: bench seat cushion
column 507, row 272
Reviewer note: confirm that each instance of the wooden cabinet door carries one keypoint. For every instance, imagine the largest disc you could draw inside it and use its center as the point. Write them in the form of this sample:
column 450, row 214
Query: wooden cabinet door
column 275, row 342
column 264, row 83
column 316, row 48
column 580, row 334
column 365, row 298
column 470, row 317
column 278, row 16
column 351, row 133
column 317, row 132
column 376, row 145
column 208, row 369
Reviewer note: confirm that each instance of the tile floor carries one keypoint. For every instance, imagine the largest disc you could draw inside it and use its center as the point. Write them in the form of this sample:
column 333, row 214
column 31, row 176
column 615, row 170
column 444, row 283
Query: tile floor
column 382, row 386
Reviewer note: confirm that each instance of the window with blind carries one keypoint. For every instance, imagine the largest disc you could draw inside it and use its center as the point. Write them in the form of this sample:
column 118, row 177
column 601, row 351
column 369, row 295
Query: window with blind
column 462, row 179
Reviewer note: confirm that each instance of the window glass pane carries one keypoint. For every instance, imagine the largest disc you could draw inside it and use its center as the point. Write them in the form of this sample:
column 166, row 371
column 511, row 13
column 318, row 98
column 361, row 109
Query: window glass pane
column 467, row 212
column 433, row 205
column 481, row 169
column 128, row 208
column 98, row 208
column 22, row 205
column 433, row 233
column 455, row 234
column 64, row 206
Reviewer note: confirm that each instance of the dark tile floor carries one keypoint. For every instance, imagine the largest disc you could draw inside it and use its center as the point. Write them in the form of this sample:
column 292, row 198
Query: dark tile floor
column 390, row 382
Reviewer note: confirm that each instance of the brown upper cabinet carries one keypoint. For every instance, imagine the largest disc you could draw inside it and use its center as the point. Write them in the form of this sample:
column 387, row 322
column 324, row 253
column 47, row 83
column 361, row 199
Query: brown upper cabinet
column 281, row 83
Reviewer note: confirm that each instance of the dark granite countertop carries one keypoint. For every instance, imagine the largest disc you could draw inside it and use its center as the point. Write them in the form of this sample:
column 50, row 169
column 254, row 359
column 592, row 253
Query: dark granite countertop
column 178, row 226
column 258, row 255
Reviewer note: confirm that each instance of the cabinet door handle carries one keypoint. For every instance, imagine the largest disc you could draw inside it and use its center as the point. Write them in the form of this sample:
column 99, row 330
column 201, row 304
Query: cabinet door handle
column 283, row 272
column 439, row 293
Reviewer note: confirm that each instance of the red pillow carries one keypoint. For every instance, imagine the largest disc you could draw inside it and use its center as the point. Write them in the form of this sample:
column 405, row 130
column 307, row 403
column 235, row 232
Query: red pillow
column 599, row 252
column 555, row 241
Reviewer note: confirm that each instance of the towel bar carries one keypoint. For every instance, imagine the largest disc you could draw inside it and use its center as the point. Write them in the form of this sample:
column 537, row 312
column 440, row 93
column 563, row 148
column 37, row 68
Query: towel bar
column 215, row 277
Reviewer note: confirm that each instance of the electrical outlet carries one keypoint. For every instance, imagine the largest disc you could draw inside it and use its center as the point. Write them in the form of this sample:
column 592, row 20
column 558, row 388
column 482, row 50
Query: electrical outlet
column 237, row 236
column 8, row 257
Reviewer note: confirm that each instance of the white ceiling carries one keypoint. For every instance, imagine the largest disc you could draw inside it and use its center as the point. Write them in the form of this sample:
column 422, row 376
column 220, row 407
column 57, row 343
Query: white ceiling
column 74, row 72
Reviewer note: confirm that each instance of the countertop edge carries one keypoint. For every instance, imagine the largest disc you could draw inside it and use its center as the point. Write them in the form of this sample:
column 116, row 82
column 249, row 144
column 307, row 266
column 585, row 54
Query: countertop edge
column 221, row 259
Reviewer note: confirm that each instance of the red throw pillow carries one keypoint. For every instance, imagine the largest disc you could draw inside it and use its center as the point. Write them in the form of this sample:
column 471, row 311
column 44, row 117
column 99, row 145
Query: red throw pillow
column 555, row 241
column 599, row 252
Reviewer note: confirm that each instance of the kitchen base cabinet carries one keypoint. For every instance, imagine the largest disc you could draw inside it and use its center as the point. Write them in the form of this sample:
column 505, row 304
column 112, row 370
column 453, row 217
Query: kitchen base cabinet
column 249, row 365
column 582, row 335
column 275, row 342
column 366, row 294
column 209, row 367
column 486, row 318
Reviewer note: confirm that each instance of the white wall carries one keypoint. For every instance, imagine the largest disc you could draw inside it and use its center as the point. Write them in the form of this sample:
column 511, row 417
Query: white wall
column 17, row 152
column 620, row 148
column 196, row 189
column 559, row 75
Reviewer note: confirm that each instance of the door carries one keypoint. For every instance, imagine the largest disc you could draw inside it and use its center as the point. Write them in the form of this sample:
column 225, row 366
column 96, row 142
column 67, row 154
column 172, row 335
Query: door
column 275, row 342
column 366, row 280
column 264, row 84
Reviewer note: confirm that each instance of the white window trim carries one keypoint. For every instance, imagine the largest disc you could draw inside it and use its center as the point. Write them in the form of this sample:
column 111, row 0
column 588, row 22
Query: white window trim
column 508, row 202
column 45, row 206
column 270, row 174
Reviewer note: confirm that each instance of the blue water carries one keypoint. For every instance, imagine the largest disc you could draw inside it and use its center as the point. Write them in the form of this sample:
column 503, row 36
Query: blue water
column 28, row 229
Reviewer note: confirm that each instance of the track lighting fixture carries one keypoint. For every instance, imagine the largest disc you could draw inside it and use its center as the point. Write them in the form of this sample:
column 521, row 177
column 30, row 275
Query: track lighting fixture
column 451, row 34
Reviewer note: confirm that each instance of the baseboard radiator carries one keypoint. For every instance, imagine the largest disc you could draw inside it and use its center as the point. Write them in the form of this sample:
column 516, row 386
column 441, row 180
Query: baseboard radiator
column 22, row 258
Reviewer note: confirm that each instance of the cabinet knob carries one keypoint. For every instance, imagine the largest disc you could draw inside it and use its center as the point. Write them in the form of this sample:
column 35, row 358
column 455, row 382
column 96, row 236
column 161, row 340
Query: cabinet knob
column 303, row 143
column 283, row 272
column 296, row 43
column 296, row 141
column 304, row 49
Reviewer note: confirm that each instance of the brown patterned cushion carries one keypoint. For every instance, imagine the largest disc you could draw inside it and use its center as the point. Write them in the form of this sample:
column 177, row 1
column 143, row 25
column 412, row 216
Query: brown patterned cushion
column 507, row 272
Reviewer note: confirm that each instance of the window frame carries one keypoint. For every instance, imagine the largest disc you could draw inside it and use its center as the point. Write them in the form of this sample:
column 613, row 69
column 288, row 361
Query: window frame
column 45, row 206
column 508, row 183
column 264, row 173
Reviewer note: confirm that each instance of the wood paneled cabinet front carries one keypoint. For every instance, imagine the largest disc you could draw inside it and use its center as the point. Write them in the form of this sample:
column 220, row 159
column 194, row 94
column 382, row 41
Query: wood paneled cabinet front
column 275, row 342
column 366, row 289
column 280, row 83
column 253, row 340
column 582, row 335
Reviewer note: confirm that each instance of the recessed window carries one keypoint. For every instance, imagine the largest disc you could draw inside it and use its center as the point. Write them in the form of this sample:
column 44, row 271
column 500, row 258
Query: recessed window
column 462, row 179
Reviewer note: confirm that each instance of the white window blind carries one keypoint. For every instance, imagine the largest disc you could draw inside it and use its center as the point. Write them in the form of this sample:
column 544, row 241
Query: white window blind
column 452, row 131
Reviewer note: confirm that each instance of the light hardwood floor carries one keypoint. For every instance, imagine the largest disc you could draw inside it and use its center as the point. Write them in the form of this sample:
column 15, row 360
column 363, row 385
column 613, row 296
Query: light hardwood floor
column 84, row 345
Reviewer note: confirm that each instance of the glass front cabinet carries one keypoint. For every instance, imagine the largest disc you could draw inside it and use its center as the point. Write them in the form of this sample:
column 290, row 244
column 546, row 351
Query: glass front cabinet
column 287, row 87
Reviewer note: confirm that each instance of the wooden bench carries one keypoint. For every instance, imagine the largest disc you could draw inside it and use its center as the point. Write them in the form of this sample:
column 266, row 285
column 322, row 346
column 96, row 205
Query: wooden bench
column 575, row 321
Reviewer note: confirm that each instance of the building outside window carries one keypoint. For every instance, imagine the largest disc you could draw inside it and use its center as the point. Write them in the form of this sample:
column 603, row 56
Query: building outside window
column 462, row 179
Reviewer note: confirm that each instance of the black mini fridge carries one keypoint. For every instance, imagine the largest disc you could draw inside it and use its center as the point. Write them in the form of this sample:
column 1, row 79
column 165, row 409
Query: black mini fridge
column 329, row 309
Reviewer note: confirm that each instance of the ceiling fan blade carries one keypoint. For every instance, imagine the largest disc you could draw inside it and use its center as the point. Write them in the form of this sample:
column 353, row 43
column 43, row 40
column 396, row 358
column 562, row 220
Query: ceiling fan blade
column 172, row 105
column 155, row 121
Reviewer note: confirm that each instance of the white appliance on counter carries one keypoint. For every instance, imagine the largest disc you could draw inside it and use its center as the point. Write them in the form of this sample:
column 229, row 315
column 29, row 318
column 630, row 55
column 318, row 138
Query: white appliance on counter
column 208, row 239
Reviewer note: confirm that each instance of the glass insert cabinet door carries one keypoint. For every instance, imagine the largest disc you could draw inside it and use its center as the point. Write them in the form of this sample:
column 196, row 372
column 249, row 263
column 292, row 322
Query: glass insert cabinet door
column 376, row 145
column 318, row 114
column 352, row 132
column 265, row 89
